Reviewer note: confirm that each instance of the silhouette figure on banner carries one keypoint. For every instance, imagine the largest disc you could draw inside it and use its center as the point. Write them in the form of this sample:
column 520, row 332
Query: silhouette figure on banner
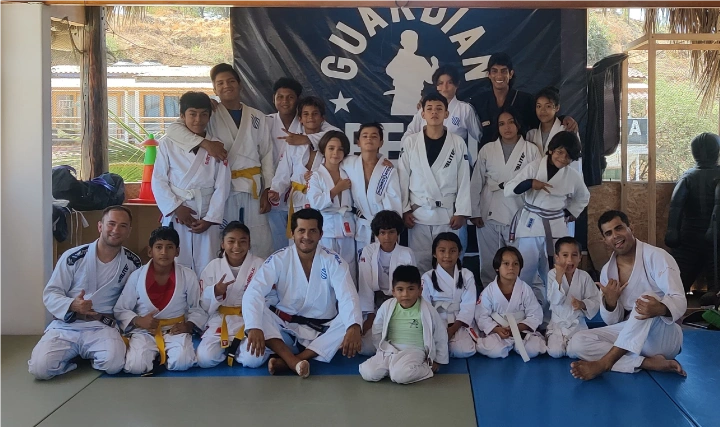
column 409, row 72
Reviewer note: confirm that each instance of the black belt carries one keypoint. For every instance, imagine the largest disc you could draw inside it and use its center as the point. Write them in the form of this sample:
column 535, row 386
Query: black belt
column 316, row 324
column 106, row 319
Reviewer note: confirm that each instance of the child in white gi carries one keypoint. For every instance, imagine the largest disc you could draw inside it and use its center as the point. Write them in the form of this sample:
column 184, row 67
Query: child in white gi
column 554, row 195
column 298, row 162
column 160, row 309
column 378, row 261
column 224, row 281
column 191, row 187
column 508, row 313
column 572, row 294
column 329, row 192
column 410, row 335
column 450, row 288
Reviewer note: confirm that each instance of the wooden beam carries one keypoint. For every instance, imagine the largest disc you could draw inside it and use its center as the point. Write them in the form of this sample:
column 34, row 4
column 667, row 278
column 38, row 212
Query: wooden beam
column 652, row 142
column 682, row 37
column 692, row 46
column 637, row 43
column 624, row 106
column 504, row 4
column 94, row 148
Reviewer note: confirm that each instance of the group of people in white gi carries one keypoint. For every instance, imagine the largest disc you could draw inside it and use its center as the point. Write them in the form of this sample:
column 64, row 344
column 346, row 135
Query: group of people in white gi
column 200, row 186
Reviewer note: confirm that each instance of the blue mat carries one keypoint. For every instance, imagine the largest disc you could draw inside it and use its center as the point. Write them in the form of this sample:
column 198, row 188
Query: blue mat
column 508, row 392
column 595, row 322
column 338, row 366
column 696, row 395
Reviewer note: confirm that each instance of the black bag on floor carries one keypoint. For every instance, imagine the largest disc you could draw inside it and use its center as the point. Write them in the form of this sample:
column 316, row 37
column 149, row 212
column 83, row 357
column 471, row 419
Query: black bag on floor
column 106, row 190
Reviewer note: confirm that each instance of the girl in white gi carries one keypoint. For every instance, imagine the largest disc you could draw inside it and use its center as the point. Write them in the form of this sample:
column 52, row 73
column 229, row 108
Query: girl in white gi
column 246, row 146
column 450, row 288
column 434, row 173
column 329, row 192
column 160, row 309
column 547, row 105
column 375, row 185
column 572, row 294
column 410, row 337
column 191, row 187
column 508, row 312
column 497, row 163
column 224, row 281
column 378, row 261
column 298, row 162
column 554, row 195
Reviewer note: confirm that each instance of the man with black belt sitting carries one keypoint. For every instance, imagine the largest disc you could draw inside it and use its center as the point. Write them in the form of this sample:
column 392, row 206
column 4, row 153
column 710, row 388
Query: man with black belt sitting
column 318, row 305
column 81, row 294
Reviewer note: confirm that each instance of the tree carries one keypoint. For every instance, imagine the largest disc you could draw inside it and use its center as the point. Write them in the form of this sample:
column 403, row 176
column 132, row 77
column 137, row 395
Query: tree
column 598, row 45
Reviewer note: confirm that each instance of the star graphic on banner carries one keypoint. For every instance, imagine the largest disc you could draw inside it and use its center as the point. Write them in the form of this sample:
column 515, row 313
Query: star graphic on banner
column 341, row 103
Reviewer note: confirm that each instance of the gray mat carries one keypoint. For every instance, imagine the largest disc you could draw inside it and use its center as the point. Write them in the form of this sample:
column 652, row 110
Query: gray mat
column 254, row 401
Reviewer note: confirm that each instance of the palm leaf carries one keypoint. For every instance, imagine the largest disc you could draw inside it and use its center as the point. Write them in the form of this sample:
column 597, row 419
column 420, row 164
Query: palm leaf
column 120, row 122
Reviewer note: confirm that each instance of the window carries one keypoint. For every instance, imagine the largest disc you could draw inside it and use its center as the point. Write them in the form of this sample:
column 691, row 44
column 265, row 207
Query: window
column 171, row 106
column 151, row 106
column 66, row 106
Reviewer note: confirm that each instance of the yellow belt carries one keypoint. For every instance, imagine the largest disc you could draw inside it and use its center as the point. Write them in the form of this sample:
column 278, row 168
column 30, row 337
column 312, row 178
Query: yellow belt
column 295, row 186
column 224, row 335
column 159, row 335
column 249, row 173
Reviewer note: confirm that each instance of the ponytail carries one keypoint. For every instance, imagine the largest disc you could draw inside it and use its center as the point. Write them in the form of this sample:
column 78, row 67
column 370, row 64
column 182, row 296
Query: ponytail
column 434, row 275
column 461, row 281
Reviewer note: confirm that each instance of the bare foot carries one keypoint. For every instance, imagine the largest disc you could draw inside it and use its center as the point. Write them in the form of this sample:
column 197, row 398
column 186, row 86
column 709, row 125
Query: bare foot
column 276, row 365
column 660, row 363
column 303, row 368
column 587, row 370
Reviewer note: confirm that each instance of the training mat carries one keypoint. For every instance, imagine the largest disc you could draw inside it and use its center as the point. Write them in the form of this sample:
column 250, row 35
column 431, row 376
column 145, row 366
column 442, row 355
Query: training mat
column 338, row 366
column 282, row 401
column 25, row 400
column 542, row 392
column 696, row 395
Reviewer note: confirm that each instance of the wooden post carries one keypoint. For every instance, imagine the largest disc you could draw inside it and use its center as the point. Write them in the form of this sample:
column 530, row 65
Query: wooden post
column 94, row 149
column 624, row 106
column 652, row 140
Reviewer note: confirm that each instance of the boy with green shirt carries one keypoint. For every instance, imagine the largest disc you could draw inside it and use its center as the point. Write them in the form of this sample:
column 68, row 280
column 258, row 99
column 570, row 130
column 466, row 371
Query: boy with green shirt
column 409, row 334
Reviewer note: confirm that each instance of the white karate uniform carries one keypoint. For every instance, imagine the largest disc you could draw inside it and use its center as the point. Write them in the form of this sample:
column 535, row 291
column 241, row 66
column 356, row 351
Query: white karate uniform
column 209, row 352
column 338, row 218
column 490, row 203
column 568, row 192
column 655, row 274
column 329, row 293
column 134, row 301
column 462, row 121
column 565, row 320
column 523, row 306
column 199, row 182
column 79, row 269
column 535, row 136
column 406, row 364
column 369, row 271
column 454, row 304
column 248, row 146
column 277, row 217
column 434, row 193
column 382, row 192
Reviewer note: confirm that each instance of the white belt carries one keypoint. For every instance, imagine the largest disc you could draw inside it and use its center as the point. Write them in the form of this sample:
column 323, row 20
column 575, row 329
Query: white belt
column 512, row 321
column 447, row 202
column 449, row 308
column 363, row 231
column 194, row 194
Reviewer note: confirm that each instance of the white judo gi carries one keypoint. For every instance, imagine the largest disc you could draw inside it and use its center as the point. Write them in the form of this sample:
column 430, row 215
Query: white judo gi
column 535, row 136
column 454, row 304
column 369, row 271
column 655, row 274
column 338, row 218
column 328, row 294
column 199, row 182
column 277, row 217
column 462, row 120
column 250, row 158
column 184, row 304
column 433, row 193
column 565, row 320
column 79, row 269
column 406, row 364
column 534, row 240
column 382, row 192
column 210, row 351
column 523, row 306
column 490, row 203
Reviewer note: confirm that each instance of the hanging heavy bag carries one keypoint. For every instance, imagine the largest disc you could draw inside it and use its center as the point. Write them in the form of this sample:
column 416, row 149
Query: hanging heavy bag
column 106, row 190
